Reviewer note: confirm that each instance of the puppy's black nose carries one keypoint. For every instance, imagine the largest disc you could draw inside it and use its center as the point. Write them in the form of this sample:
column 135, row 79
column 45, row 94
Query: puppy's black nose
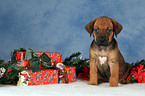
column 102, row 38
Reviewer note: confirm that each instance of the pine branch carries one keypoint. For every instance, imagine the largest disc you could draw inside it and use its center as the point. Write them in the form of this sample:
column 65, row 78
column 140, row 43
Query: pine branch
column 138, row 63
column 68, row 59
column 12, row 68
column 76, row 61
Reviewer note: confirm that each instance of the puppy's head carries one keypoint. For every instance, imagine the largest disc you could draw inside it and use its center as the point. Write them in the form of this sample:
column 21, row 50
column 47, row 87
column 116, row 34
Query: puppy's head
column 103, row 30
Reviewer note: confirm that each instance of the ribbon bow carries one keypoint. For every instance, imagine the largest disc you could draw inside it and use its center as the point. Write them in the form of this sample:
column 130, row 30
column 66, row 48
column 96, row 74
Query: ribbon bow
column 37, row 63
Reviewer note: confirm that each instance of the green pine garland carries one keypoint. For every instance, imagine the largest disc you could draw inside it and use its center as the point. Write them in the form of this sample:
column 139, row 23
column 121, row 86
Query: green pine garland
column 12, row 69
column 76, row 61
column 138, row 63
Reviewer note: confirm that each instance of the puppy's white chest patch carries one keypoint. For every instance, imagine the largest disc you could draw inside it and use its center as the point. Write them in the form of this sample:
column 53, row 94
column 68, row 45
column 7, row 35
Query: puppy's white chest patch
column 102, row 59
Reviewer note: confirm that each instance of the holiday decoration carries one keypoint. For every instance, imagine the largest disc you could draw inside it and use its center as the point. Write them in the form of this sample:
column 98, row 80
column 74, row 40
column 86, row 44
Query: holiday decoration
column 38, row 57
column 54, row 56
column 85, row 73
column 76, row 61
column 67, row 74
column 2, row 71
column 23, row 78
column 12, row 68
column 63, row 78
column 47, row 76
column 2, row 68
column 37, row 68
column 22, row 59
column 71, row 73
column 28, row 68
column 137, row 74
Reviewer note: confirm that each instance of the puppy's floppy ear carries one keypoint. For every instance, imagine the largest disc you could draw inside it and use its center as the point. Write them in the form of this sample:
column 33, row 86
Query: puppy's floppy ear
column 89, row 26
column 116, row 27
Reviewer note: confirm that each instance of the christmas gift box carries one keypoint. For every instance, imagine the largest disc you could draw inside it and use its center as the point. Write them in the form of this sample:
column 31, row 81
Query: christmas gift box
column 47, row 76
column 71, row 73
column 66, row 74
column 54, row 56
column 21, row 57
column 25, row 57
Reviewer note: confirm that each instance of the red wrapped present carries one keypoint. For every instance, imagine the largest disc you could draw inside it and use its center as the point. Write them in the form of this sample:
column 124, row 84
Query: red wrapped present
column 67, row 74
column 71, row 73
column 28, row 77
column 54, row 56
column 21, row 56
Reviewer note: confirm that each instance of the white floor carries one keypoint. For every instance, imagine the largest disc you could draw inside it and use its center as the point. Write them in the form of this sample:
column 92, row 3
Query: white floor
column 79, row 88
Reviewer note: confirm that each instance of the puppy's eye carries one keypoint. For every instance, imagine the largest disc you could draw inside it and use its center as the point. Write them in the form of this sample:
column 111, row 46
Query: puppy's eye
column 109, row 30
column 96, row 30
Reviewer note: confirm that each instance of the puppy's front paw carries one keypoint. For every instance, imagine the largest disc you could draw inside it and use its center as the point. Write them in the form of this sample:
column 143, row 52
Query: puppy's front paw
column 93, row 83
column 113, row 85
column 113, row 82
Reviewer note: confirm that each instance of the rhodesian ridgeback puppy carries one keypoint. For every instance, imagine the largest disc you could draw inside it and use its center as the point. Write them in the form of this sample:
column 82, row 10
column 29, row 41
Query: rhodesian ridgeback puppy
column 106, row 62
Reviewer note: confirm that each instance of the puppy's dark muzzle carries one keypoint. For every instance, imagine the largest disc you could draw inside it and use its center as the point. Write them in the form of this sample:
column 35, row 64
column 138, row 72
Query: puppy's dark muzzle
column 102, row 39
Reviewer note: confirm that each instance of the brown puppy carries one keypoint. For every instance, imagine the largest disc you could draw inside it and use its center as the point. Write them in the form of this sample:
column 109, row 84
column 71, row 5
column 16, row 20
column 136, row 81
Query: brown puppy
column 106, row 61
